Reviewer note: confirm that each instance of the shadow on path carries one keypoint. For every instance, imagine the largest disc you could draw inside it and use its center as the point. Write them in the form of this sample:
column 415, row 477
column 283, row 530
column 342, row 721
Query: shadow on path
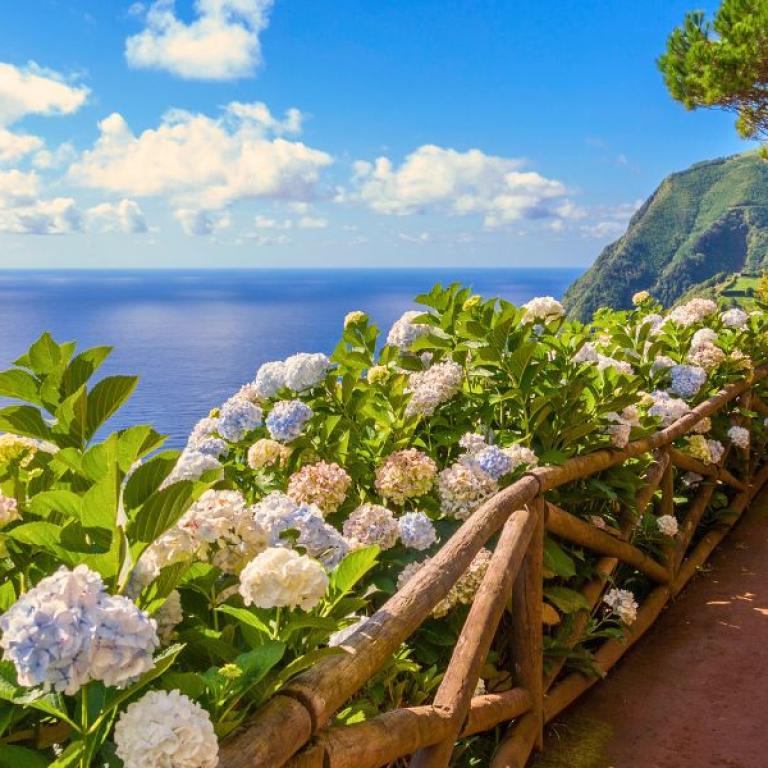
column 693, row 692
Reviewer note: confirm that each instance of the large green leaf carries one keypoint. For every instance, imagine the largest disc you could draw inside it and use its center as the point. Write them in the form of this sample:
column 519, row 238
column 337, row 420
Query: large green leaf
column 44, row 355
column 244, row 616
column 71, row 417
column 12, row 756
column 20, row 385
column 100, row 504
column 147, row 478
column 59, row 501
column 161, row 510
column 24, row 420
column 351, row 569
column 105, row 398
column 81, row 368
column 136, row 442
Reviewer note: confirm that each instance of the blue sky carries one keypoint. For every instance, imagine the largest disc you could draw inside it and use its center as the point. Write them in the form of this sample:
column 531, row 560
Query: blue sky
column 306, row 133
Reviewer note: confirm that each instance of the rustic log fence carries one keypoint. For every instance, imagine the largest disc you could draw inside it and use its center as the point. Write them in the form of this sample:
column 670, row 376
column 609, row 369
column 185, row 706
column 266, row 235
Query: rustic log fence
column 293, row 730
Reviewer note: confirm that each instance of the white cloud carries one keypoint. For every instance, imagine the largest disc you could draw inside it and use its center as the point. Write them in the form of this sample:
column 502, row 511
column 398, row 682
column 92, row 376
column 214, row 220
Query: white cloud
column 202, row 163
column 313, row 222
column 48, row 159
column 437, row 179
column 18, row 188
column 221, row 43
column 58, row 216
column 264, row 222
column 609, row 222
column 14, row 146
column 423, row 237
column 32, row 90
column 125, row 216
column 201, row 223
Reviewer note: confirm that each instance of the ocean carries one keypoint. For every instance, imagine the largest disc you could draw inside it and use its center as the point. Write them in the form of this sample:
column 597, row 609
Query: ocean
column 194, row 337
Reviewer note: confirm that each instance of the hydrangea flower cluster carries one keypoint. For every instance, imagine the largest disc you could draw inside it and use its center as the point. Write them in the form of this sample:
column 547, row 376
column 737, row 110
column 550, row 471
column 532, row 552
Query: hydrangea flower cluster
column 277, row 513
column 238, row 417
column 734, row 318
column 324, row 484
column 282, row 578
column 433, row 387
column 693, row 311
column 416, row 531
column 543, row 308
column 494, row 461
column 9, row 510
column 588, row 353
column 621, row 428
column 270, row 379
column 286, row 420
column 669, row 409
column 67, row 631
column 687, row 380
column 354, row 318
column 698, row 447
column 622, row 603
column 166, row 729
column 739, row 436
column 266, row 453
column 406, row 474
column 640, row 298
column 372, row 524
column 168, row 616
column 404, row 331
column 298, row 372
column 463, row 488
column 667, row 525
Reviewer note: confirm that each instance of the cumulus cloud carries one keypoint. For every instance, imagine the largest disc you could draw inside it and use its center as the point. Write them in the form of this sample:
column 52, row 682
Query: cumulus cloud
column 14, row 146
column 201, row 163
column 58, row 216
column 33, row 90
column 125, row 216
column 221, row 43
column 609, row 222
column 201, row 223
column 438, row 179
column 313, row 222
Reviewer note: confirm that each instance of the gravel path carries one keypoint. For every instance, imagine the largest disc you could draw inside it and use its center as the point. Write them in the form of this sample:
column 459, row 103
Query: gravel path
column 693, row 692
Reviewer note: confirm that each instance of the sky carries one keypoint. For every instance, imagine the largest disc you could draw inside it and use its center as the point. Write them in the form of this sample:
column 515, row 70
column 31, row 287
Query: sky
column 351, row 133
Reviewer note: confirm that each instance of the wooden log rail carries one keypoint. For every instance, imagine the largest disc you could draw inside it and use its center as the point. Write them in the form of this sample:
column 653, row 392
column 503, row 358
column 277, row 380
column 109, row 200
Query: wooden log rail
column 292, row 729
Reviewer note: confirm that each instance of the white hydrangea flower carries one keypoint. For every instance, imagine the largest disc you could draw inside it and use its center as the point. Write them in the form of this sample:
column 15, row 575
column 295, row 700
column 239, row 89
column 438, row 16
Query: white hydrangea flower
column 191, row 466
column 622, row 602
column 305, row 370
column 270, row 378
column 166, row 729
column 703, row 337
column 67, row 631
column 586, row 354
column 416, row 531
column 640, row 297
column 661, row 363
column 472, row 442
column 281, row 577
column 238, row 417
column 739, row 436
column 667, row 525
column 542, row 308
column 716, row 451
column 687, row 380
column 354, row 317
column 693, row 311
column 603, row 362
column 123, row 642
column 462, row 488
column 433, row 387
column 404, row 331
column 734, row 318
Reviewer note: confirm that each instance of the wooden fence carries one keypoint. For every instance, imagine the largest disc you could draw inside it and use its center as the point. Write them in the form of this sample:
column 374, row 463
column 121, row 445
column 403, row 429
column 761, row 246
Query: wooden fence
column 293, row 730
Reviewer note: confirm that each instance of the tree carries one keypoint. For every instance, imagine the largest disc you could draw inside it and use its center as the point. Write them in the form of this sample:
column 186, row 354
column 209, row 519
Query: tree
column 723, row 63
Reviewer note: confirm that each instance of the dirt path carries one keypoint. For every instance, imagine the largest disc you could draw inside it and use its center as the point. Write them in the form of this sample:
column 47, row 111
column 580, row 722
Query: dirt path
column 693, row 692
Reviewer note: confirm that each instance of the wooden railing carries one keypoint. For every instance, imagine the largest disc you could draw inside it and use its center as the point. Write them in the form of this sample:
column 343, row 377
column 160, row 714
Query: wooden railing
column 293, row 730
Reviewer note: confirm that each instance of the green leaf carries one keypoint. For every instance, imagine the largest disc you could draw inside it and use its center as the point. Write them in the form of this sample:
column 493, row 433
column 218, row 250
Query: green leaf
column 161, row 510
column 244, row 616
column 106, row 398
column 256, row 663
column 20, row 757
column 20, row 385
column 44, row 355
column 60, row 501
column 100, row 504
column 7, row 595
column 304, row 662
column 557, row 560
column 351, row 569
column 566, row 600
column 71, row 416
column 46, row 536
column 147, row 478
column 24, row 420
column 134, row 443
column 82, row 367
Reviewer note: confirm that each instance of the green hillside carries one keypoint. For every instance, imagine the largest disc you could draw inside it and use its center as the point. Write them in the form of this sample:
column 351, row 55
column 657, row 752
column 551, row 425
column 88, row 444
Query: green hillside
column 700, row 226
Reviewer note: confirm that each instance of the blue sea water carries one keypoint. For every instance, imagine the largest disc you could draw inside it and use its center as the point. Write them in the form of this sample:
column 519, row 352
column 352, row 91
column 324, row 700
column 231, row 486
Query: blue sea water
column 195, row 336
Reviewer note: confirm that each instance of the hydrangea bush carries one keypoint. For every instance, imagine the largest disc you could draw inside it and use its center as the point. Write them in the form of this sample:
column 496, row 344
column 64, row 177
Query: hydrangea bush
column 151, row 598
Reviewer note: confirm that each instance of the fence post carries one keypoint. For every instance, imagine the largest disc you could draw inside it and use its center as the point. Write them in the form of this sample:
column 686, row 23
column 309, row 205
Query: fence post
column 526, row 645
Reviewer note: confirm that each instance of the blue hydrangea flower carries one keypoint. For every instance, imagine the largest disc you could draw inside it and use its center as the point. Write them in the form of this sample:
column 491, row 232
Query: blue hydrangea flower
column 416, row 531
column 494, row 462
column 287, row 419
column 238, row 417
